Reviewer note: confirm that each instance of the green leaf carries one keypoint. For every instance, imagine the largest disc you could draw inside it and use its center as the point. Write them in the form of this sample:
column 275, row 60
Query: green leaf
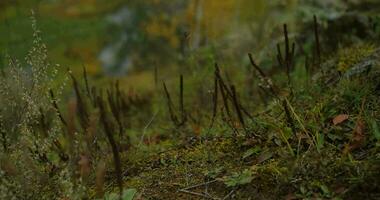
column 53, row 157
column 324, row 189
column 129, row 194
column 236, row 179
column 213, row 173
column 303, row 189
column 251, row 151
column 287, row 133
column 112, row 196
column 320, row 141
column 375, row 130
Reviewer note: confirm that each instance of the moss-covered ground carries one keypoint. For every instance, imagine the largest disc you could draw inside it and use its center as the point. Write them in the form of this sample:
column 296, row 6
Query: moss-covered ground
column 331, row 153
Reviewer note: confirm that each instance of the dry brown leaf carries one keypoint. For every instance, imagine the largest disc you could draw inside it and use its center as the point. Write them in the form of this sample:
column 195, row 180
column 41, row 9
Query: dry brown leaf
column 264, row 156
column 290, row 196
column 359, row 130
column 339, row 119
column 340, row 190
column 358, row 137
column 251, row 142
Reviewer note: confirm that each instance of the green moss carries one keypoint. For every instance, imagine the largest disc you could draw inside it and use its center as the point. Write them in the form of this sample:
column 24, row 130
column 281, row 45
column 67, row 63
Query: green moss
column 348, row 57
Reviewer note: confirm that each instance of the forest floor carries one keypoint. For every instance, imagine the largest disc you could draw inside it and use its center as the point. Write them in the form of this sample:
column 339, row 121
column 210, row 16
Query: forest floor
column 290, row 129
column 318, row 142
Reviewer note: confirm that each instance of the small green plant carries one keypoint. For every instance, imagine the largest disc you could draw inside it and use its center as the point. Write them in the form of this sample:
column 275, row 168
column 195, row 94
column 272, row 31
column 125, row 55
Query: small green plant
column 375, row 129
column 252, row 151
column 239, row 178
column 128, row 194
column 213, row 173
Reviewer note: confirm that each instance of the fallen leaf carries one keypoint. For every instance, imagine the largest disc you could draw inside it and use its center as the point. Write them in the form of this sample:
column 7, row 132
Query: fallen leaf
column 358, row 137
column 340, row 118
column 264, row 156
column 290, row 196
column 250, row 142
column 359, row 130
column 340, row 190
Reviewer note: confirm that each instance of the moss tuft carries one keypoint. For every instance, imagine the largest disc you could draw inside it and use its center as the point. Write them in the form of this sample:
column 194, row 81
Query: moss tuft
column 348, row 57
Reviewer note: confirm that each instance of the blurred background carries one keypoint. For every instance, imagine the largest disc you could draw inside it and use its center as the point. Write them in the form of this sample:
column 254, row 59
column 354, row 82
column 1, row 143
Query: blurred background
column 114, row 38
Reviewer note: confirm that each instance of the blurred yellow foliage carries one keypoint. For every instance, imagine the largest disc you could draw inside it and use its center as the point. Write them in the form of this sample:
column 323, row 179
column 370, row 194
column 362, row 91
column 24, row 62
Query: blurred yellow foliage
column 162, row 28
column 209, row 19
column 214, row 15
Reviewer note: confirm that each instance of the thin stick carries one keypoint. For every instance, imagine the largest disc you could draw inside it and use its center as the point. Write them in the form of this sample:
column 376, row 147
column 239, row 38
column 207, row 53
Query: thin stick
column 223, row 90
column 181, row 105
column 197, row 194
column 229, row 194
column 227, row 93
column 225, row 100
column 115, row 110
column 83, row 115
column 215, row 98
column 147, row 126
column 199, row 185
column 256, row 66
column 237, row 107
column 112, row 142
column 155, row 76
column 263, row 75
column 170, row 104
column 288, row 54
column 86, row 82
column 317, row 42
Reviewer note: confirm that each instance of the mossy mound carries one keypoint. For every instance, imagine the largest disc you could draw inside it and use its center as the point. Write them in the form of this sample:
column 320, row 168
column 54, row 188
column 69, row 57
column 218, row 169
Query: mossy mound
column 331, row 153
column 349, row 57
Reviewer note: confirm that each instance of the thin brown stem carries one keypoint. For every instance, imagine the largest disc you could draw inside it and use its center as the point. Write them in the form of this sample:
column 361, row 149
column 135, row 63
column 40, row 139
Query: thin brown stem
column 86, row 83
column 83, row 115
column 215, row 99
column 181, row 104
column 237, row 107
column 112, row 142
column 317, row 41
column 170, row 105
